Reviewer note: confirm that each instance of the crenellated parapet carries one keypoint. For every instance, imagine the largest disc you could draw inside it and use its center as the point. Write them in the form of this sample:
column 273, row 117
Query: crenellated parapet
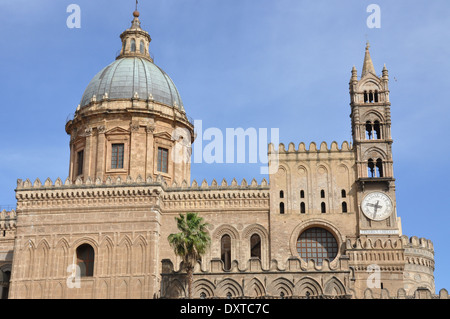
column 119, row 181
column 8, row 220
column 130, row 190
column 323, row 148
column 402, row 250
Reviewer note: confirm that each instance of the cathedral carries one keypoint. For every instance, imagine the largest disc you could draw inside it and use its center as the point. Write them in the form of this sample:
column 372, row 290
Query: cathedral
column 324, row 224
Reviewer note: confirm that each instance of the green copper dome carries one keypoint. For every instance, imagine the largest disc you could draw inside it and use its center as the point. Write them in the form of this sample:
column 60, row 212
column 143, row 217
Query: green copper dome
column 133, row 77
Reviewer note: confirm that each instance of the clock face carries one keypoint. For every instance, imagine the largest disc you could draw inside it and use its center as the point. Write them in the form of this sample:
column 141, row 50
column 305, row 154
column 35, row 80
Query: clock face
column 377, row 206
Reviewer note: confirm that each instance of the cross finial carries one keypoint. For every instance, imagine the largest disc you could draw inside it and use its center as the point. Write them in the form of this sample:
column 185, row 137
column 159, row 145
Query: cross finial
column 136, row 4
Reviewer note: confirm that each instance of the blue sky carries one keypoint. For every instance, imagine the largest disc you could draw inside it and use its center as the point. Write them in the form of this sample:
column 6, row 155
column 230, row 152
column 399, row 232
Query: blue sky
column 241, row 63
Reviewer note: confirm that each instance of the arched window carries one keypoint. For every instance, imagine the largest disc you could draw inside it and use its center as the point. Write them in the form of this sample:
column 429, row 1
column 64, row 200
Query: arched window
column 281, row 194
column 379, row 168
column 343, row 193
column 302, row 208
column 302, row 194
column 371, row 97
column 281, row 208
column 344, row 207
column 317, row 244
column 369, row 130
column 376, row 96
column 85, row 260
column 322, row 194
column 133, row 45
column 323, row 208
column 366, row 97
column 226, row 251
column 377, row 130
column 255, row 246
column 124, row 46
column 142, row 47
column 371, row 168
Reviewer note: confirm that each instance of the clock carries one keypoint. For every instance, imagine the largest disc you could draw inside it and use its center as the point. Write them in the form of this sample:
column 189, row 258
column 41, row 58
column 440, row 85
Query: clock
column 377, row 206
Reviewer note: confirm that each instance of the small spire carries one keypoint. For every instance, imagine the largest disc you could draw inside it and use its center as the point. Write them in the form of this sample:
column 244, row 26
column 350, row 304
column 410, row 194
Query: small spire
column 354, row 74
column 136, row 12
column 368, row 64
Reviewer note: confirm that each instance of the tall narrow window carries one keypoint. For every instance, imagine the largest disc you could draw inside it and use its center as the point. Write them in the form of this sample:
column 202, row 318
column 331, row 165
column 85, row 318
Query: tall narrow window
column 85, row 260
column 124, row 46
column 323, row 208
column 370, row 97
column 117, row 156
column 366, row 97
column 343, row 193
column 377, row 130
column 133, row 45
column 369, row 130
column 226, row 251
column 142, row 48
column 163, row 157
column 344, row 207
column 322, row 194
column 281, row 194
column 302, row 194
column 302, row 208
column 371, row 168
column 281, row 208
column 255, row 246
column 376, row 96
column 80, row 160
column 379, row 168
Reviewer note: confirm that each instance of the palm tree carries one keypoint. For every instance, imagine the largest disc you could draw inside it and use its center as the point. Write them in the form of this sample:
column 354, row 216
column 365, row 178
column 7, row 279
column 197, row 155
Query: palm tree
column 190, row 243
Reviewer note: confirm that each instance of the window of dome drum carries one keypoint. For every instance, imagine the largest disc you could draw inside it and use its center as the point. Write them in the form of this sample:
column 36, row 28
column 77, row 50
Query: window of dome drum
column 117, row 156
column 85, row 260
column 163, row 157
column 317, row 244
column 80, row 159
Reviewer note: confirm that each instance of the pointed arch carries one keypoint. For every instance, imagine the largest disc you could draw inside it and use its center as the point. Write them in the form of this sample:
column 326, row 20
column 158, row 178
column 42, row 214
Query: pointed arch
column 308, row 287
column 137, row 291
column 106, row 251
column 255, row 289
column 203, row 286
column 229, row 286
column 62, row 258
column 139, row 255
column 175, row 290
column 122, row 290
column 123, row 256
column 41, row 259
column 334, row 287
column 281, row 286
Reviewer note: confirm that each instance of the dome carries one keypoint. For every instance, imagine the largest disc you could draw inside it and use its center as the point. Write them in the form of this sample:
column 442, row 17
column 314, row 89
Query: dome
column 127, row 76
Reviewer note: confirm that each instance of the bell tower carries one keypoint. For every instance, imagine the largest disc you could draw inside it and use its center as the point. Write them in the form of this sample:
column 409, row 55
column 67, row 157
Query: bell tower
column 371, row 132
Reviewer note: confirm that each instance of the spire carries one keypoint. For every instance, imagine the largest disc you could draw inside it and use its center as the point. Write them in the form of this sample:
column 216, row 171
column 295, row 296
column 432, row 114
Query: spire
column 368, row 65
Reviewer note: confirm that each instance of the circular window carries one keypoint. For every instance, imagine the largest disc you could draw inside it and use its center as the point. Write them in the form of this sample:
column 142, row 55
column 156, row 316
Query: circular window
column 317, row 244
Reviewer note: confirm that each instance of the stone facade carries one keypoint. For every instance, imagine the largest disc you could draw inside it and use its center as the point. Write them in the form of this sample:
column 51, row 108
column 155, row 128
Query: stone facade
column 302, row 234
